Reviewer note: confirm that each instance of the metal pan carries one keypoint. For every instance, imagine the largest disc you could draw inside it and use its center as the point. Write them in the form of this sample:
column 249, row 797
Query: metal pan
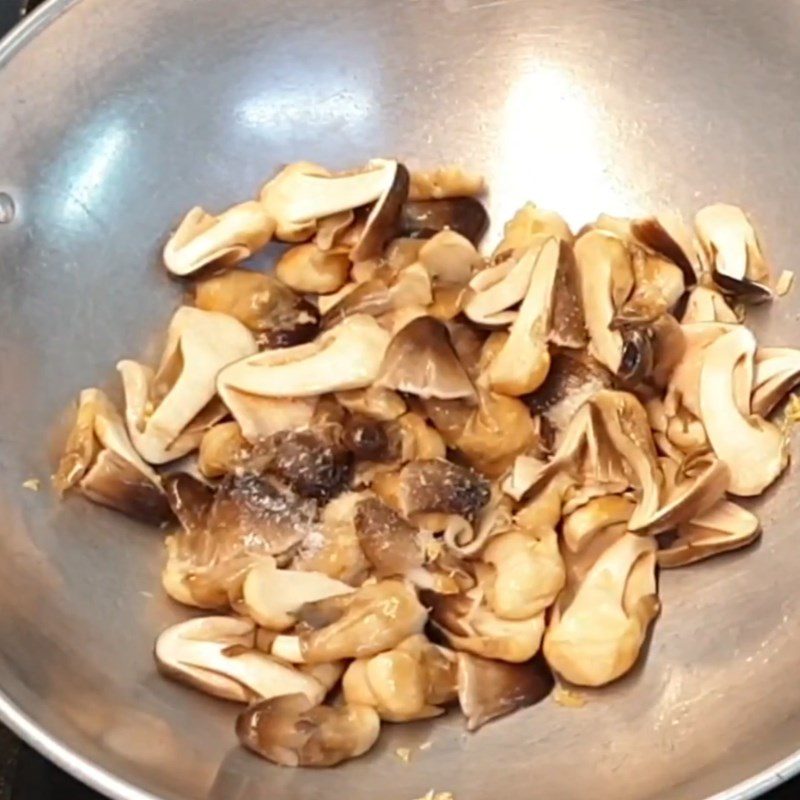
column 118, row 115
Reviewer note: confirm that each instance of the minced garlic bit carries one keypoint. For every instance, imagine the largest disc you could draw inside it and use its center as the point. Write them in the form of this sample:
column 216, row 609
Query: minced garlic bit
column 568, row 698
column 426, row 745
column 791, row 416
column 432, row 795
column 32, row 484
column 404, row 754
column 784, row 283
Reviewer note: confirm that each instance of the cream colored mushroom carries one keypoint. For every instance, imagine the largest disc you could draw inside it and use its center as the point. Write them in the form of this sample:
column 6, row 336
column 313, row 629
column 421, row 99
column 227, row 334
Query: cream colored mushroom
column 724, row 527
column 165, row 409
column 292, row 732
column 707, row 305
column 449, row 258
column 375, row 618
column 100, row 461
column 224, row 240
column 528, row 224
column 490, row 689
column 469, row 625
column 309, row 270
column 412, row 681
column 374, row 402
column 732, row 250
column 527, row 575
column 777, row 372
column 754, row 449
column 222, row 449
column 597, row 637
column 450, row 181
column 585, row 523
column 217, row 655
column 523, row 361
column 348, row 356
column 272, row 596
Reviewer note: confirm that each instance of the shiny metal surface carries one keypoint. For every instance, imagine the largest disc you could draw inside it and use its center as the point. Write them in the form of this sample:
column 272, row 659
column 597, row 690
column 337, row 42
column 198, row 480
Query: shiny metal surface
column 120, row 114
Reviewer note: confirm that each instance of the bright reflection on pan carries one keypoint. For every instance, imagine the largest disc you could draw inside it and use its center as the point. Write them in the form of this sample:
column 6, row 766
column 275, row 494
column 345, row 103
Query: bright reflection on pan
column 548, row 148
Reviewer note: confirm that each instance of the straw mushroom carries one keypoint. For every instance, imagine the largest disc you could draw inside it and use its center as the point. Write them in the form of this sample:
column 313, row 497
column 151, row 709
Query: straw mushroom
column 293, row 732
column 217, row 655
column 222, row 449
column 598, row 636
column 412, row 681
column 165, row 409
column 722, row 528
column 437, row 485
column 100, row 461
column 422, row 219
column 375, row 618
column 707, row 305
column 490, row 689
column 754, row 449
column 309, row 270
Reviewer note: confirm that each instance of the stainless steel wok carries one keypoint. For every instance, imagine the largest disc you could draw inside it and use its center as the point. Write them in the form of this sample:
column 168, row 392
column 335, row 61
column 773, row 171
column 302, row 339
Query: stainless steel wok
column 118, row 115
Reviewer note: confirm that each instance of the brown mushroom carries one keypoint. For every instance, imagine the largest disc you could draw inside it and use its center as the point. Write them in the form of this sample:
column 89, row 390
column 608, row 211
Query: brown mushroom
column 421, row 219
column 222, row 449
column 437, row 485
column 100, row 461
column 420, row 360
column 490, row 689
column 293, row 732
column 375, row 618
column 389, row 541
column 373, row 402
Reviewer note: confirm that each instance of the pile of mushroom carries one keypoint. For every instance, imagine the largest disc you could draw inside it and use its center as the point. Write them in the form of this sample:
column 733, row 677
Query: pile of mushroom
column 400, row 475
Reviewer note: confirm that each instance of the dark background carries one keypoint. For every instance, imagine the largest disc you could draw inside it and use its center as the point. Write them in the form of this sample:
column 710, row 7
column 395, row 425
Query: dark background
column 25, row 775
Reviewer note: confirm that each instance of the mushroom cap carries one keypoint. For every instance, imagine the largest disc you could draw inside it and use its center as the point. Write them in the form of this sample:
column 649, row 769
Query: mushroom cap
column 528, row 224
column 347, row 356
column 273, row 596
column 490, row 689
column 449, row 181
column 437, row 485
column 420, row 360
column 449, row 257
column 389, row 542
column 707, row 305
column 422, row 219
column 292, row 732
column 754, row 449
column 216, row 655
column 777, row 372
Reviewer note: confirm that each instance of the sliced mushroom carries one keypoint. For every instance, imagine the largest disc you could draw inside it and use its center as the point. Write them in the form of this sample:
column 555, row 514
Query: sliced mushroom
column 332, row 547
column 707, row 305
column 225, row 531
column 100, row 461
column 470, row 626
column 217, row 655
column 777, row 372
column 667, row 235
column 348, row 356
column 203, row 239
column 407, row 683
column 722, row 528
column 490, row 689
column 527, row 575
column 410, row 288
column 292, row 732
column 733, row 252
column 606, row 280
column 420, row 360
column 273, row 596
column 584, row 523
column 375, row 618
column 309, row 270
column 276, row 315
column 754, row 449
column 437, row 485
column 598, row 636
column 389, row 542
column 523, row 361
column 567, row 325
column 164, row 410
column 333, row 229
column 303, row 193
column 450, row 181
column 530, row 223
column 421, row 219
column 374, row 402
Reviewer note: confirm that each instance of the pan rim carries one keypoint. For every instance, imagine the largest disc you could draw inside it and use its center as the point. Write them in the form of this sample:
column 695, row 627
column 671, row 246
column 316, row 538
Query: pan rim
column 91, row 773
